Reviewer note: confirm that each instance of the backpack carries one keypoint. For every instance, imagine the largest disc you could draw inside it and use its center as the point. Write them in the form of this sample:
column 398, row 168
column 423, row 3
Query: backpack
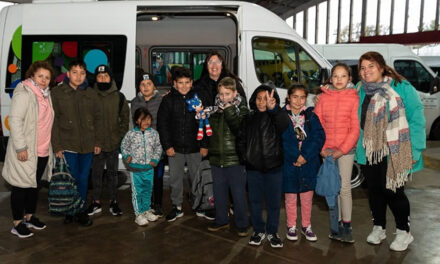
column 121, row 101
column 202, row 188
column 64, row 197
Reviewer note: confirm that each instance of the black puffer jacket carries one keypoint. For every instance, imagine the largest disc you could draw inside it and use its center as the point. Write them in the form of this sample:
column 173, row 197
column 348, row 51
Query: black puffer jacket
column 177, row 126
column 259, row 140
column 206, row 88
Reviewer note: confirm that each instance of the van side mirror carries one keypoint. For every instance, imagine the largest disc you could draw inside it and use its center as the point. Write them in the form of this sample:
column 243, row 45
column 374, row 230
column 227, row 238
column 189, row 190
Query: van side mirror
column 325, row 73
column 435, row 85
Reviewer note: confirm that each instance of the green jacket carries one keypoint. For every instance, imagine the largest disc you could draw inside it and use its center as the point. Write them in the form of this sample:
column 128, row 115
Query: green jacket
column 116, row 119
column 78, row 123
column 414, row 116
column 225, row 126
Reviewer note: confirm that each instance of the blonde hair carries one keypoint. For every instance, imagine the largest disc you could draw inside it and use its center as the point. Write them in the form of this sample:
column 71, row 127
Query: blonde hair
column 228, row 83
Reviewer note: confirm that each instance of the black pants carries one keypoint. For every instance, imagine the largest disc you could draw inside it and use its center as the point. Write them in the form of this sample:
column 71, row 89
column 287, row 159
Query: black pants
column 156, row 198
column 379, row 197
column 110, row 161
column 24, row 200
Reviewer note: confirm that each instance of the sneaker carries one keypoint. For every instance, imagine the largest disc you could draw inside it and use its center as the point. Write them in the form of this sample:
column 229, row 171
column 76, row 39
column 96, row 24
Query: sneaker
column 207, row 214
column 338, row 236
column 141, row 220
column 83, row 219
column 174, row 214
column 291, row 234
column 347, row 234
column 150, row 216
column 214, row 227
column 308, row 233
column 256, row 239
column 21, row 231
column 242, row 232
column 114, row 208
column 377, row 235
column 158, row 211
column 402, row 240
column 35, row 223
column 94, row 208
column 275, row 240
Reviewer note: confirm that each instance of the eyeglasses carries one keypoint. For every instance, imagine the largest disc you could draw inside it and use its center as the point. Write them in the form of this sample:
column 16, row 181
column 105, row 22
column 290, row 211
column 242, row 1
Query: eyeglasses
column 214, row 62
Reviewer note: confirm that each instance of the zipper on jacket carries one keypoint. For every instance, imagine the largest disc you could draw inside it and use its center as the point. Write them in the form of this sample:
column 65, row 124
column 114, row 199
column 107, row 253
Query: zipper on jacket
column 145, row 149
column 221, row 145
column 80, row 123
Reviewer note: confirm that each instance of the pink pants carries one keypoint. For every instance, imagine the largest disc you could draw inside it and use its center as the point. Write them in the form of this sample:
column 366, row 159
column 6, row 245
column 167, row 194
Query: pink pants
column 306, row 208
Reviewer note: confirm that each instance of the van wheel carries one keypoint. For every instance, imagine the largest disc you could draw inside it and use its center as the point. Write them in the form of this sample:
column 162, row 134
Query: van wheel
column 435, row 130
column 356, row 176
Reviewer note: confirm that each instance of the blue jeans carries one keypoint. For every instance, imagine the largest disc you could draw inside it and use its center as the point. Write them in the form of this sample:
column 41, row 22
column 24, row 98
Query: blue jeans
column 80, row 168
column 233, row 178
column 265, row 186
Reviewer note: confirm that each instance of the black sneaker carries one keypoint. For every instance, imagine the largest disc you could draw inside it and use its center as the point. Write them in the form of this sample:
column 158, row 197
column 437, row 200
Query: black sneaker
column 158, row 211
column 35, row 223
column 94, row 208
column 275, row 240
column 242, row 232
column 207, row 214
column 83, row 219
column 256, row 239
column 21, row 231
column 214, row 227
column 114, row 208
column 68, row 219
column 174, row 214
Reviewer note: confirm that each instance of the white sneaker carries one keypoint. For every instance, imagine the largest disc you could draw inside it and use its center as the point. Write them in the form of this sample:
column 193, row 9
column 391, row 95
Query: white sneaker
column 141, row 220
column 402, row 240
column 150, row 216
column 377, row 235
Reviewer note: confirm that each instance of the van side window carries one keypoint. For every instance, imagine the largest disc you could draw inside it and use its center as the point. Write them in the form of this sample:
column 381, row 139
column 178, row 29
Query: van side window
column 13, row 71
column 415, row 73
column 284, row 62
column 60, row 50
column 163, row 60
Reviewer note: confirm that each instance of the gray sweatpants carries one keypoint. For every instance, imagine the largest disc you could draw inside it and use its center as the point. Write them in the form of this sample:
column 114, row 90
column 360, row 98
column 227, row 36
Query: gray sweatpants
column 177, row 173
column 345, row 164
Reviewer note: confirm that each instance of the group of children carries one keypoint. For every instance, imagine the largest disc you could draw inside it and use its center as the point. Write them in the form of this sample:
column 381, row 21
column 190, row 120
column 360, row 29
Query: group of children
column 270, row 149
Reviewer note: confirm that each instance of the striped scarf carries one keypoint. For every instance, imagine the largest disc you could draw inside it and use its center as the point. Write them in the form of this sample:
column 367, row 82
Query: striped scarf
column 386, row 132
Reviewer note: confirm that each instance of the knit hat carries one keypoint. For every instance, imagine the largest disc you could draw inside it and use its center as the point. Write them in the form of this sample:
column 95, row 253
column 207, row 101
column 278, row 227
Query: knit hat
column 103, row 69
column 144, row 76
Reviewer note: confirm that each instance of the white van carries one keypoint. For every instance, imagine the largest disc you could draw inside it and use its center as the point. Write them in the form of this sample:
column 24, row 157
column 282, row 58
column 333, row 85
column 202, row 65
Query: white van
column 433, row 62
column 408, row 64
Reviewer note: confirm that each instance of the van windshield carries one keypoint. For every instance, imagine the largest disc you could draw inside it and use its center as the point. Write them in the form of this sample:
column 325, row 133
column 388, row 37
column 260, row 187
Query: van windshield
column 284, row 62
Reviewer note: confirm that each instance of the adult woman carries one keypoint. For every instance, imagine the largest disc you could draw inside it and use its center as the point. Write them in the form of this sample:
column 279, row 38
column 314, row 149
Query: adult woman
column 390, row 145
column 29, row 152
column 213, row 71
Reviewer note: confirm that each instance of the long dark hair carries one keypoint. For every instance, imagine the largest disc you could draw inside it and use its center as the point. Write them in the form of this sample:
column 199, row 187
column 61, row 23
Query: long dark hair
column 378, row 58
column 143, row 113
column 293, row 88
column 225, row 71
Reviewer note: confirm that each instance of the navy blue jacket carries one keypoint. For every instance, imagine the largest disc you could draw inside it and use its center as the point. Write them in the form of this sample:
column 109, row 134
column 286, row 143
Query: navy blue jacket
column 302, row 179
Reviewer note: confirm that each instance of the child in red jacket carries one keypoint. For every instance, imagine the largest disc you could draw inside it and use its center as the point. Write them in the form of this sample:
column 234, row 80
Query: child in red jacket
column 337, row 108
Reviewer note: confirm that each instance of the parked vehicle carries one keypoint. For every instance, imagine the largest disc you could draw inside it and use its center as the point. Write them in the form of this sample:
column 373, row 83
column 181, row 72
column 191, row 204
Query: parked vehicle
column 408, row 64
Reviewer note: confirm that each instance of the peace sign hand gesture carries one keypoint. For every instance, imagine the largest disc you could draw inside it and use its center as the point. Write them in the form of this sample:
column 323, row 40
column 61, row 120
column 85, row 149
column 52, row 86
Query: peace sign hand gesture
column 271, row 102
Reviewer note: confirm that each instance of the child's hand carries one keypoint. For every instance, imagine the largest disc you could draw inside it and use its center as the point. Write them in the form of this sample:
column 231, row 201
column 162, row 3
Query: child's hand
column 128, row 160
column 153, row 164
column 325, row 153
column 170, row 152
column 199, row 108
column 271, row 101
column 300, row 161
column 336, row 154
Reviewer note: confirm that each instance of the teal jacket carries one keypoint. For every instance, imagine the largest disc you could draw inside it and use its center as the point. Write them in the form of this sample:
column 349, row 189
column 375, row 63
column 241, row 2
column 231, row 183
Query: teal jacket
column 414, row 116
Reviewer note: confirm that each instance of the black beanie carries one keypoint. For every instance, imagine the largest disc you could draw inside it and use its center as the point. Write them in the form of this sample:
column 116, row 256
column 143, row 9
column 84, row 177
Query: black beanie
column 103, row 69
column 144, row 76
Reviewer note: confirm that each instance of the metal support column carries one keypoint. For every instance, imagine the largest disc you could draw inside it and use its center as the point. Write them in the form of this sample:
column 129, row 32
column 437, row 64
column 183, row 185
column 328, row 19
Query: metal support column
column 327, row 23
column 305, row 25
column 378, row 19
column 350, row 22
column 405, row 29
column 294, row 22
column 392, row 17
column 422, row 7
column 316, row 23
column 364, row 17
column 437, row 14
column 338, row 30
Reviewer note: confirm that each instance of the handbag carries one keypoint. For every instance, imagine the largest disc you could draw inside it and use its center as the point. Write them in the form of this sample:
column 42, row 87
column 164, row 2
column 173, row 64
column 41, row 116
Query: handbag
column 328, row 183
column 64, row 197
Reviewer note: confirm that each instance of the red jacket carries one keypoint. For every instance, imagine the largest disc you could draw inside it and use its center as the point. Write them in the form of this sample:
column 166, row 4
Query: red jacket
column 338, row 113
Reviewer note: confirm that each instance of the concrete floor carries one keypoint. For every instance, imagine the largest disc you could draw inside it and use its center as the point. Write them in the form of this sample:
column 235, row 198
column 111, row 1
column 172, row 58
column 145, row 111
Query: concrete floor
column 119, row 240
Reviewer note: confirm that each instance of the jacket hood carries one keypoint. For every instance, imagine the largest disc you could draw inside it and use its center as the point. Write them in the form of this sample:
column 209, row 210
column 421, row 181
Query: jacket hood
column 329, row 89
column 263, row 87
column 140, row 96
